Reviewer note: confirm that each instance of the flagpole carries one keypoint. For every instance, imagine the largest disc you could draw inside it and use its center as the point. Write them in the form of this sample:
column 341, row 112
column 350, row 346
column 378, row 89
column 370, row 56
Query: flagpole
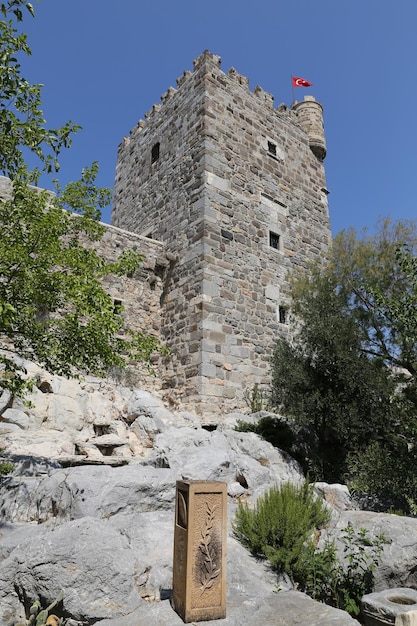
column 292, row 86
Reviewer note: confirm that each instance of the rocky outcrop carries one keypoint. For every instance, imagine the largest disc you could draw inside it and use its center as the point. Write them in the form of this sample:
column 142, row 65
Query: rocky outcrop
column 89, row 508
column 399, row 559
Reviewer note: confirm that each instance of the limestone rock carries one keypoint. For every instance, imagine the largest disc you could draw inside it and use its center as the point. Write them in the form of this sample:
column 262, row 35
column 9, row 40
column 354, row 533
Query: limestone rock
column 118, row 572
column 89, row 559
column 228, row 456
column 5, row 399
column 90, row 507
column 397, row 568
column 336, row 495
column 18, row 417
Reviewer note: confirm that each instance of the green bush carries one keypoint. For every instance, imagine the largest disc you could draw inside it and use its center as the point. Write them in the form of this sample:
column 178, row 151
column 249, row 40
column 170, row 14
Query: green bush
column 6, row 468
column 343, row 585
column 281, row 523
column 282, row 527
column 388, row 472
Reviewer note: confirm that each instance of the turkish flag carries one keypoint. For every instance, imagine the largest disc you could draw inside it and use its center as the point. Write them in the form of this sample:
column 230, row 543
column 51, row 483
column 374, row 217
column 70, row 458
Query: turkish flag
column 300, row 82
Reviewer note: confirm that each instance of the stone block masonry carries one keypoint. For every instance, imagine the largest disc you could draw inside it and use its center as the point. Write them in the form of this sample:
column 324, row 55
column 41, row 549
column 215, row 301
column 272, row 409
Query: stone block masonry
column 225, row 196
column 236, row 191
column 139, row 294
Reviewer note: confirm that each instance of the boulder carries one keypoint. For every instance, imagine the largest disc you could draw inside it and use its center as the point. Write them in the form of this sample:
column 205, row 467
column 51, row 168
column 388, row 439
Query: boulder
column 93, row 491
column 336, row 495
column 18, row 417
column 95, row 565
column 229, row 456
column 399, row 556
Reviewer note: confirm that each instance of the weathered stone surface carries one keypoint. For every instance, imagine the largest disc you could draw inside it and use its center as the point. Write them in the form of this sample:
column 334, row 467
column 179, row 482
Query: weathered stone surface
column 94, row 491
column 18, row 417
column 5, row 400
column 214, row 187
column 92, row 562
column 136, row 551
column 406, row 619
column 383, row 607
column 117, row 509
column 399, row 557
column 228, row 456
column 336, row 495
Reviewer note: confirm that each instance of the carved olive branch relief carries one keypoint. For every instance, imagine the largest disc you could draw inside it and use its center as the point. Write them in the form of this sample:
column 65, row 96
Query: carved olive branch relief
column 210, row 571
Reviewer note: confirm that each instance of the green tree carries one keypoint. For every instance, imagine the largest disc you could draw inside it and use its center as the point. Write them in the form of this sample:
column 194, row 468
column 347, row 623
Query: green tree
column 322, row 379
column 53, row 307
column 22, row 125
column 350, row 370
column 376, row 276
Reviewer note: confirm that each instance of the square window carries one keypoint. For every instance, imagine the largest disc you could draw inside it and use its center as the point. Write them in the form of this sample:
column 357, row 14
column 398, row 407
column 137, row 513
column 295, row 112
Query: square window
column 274, row 240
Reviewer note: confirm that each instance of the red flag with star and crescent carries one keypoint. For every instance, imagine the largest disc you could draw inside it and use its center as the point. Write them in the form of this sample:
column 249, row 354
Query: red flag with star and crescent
column 300, row 82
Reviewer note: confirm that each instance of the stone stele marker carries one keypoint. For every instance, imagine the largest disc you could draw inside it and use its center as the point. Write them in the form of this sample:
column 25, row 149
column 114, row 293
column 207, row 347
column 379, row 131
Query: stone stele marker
column 199, row 571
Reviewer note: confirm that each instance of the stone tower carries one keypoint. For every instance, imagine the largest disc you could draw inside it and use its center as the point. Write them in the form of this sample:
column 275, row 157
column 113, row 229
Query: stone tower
column 236, row 191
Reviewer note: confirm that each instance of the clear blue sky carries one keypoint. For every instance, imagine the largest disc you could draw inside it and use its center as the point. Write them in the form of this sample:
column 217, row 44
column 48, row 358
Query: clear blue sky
column 104, row 63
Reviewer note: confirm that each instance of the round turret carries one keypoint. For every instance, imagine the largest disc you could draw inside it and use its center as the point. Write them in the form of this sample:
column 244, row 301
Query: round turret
column 310, row 116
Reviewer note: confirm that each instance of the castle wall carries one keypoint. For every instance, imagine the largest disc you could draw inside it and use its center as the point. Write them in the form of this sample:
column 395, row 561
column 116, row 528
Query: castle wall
column 139, row 294
column 239, row 198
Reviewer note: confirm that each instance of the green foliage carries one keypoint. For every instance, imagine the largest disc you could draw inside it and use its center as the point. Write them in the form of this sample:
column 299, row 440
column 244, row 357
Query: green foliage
column 387, row 471
column 349, row 372
column 255, row 399
column 59, row 313
column 53, row 307
column 22, row 125
column 281, row 523
column 322, row 379
column 282, row 528
column 362, row 556
column 376, row 277
column 343, row 584
column 6, row 468
column 40, row 616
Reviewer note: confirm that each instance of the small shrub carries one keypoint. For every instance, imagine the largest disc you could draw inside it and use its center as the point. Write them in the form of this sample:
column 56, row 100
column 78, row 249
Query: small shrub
column 281, row 523
column 281, row 528
column 318, row 577
column 6, row 468
column 255, row 399
column 362, row 556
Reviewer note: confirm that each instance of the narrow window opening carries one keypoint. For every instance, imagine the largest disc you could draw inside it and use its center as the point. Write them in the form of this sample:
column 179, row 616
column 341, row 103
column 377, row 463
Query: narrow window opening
column 282, row 315
column 155, row 153
column 117, row 306
column 272, row 148
column 274, row 240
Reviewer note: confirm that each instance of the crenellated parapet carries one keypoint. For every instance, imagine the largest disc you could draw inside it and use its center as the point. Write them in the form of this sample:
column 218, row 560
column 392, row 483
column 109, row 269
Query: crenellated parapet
column 308, row 113
column 242, row 80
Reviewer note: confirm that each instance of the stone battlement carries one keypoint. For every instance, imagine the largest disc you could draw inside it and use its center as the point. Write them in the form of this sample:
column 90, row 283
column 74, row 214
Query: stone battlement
column 235, row 189
column 309, row 115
